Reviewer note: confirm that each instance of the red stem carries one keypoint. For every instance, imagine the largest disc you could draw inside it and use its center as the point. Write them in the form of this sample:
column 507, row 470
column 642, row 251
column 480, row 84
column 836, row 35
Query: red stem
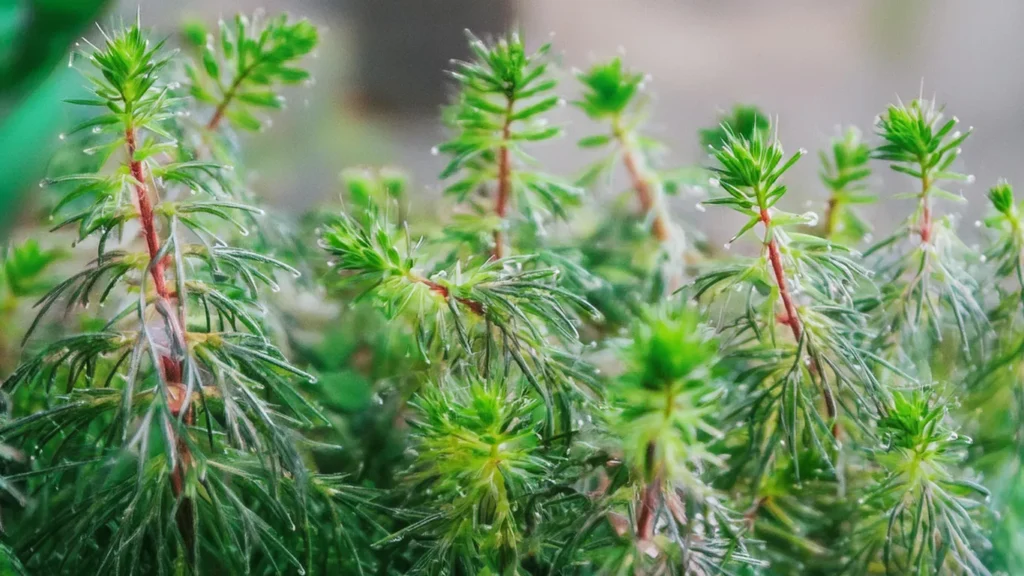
column 504, row 180
column 925, row 224
column 473, row 305
column 170, row 366
column 659, row 226
column 791, row 319
column 649, row 499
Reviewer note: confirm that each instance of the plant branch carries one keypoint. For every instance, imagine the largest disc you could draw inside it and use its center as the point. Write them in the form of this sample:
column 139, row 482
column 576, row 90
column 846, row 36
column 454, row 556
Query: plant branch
column 218, row 113
column 473, row 305
column 925, row 223
column 650, row 202
column 170, row 366
column 504, row 180
column 792, row 319
column 650, row 498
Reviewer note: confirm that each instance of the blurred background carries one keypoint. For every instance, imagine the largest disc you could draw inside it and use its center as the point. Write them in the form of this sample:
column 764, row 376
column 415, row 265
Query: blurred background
column 379, row 81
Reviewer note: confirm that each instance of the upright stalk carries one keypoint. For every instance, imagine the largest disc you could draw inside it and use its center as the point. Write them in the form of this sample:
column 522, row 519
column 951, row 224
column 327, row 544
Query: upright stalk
column 792, row 319
column 925, row 223
column 504, row 180
column 650, row 200
column 170, row 366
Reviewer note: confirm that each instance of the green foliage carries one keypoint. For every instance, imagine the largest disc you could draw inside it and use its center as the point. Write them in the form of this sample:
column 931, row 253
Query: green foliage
column 174, row 423
column 744, row 121
column 478, row 455
column 243, row 67
column 920, row 515
column 479, row 395
column 498, row 113
column 23, row 269
column 926, row 278
column 844, row 174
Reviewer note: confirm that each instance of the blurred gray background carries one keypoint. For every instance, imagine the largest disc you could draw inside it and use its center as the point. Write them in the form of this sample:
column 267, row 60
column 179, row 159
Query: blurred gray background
column 816, row 64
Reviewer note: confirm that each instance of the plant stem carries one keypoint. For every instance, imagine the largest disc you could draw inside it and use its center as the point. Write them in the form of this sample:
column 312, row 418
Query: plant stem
column 229, row 95
column 650, row 497
column 831, row 214
column 218, row 113
column 473, row 305
column 925, row 224
column 170, row 366
column 650, row 203
column 792, row 319
column 504, row 180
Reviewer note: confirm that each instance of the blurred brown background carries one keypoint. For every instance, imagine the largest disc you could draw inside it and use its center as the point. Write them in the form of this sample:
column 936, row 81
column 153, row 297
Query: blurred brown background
column 814, row 64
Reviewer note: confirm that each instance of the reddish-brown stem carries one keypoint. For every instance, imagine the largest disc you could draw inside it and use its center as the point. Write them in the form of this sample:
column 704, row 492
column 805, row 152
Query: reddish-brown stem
column 218, row 115
column 504, row 180
column 925, row 224
column 648, row 201
column 473, row 305
column 650, row 498
column 648, row 505
column 792, row 319
column 222, row 106
column 146, row 214
column 170, row 366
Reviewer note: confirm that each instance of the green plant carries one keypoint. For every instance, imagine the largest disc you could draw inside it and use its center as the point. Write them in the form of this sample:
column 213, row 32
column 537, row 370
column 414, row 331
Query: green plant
column 536, row 384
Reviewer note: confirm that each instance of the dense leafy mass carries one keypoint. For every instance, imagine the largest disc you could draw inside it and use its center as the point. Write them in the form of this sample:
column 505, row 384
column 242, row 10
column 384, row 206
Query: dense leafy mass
column 540, row 384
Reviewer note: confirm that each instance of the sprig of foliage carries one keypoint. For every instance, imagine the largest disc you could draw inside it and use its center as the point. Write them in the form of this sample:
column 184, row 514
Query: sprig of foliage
column 497, row 314
column 503, row 94
column 479, row 458
column 927, row 277
column 244, row 66
column 662, row 416
column 744, row 121
column 799, row 281
column 920, row 515
column 844, row 173
column 613, row 95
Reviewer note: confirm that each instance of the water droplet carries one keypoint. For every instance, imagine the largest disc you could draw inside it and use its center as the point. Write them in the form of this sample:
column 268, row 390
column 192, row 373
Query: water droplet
column 727, row 246
column 983, row 258
column 61, row 136
column 811, row 218
column 96, row 129
column 970, row 178
column 713, row 182
column 977, row 223
column 44, row 183
column 700, row 207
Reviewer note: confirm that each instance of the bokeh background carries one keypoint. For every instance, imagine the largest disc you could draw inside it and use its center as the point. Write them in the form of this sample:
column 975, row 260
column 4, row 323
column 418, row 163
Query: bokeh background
column 815, row 64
